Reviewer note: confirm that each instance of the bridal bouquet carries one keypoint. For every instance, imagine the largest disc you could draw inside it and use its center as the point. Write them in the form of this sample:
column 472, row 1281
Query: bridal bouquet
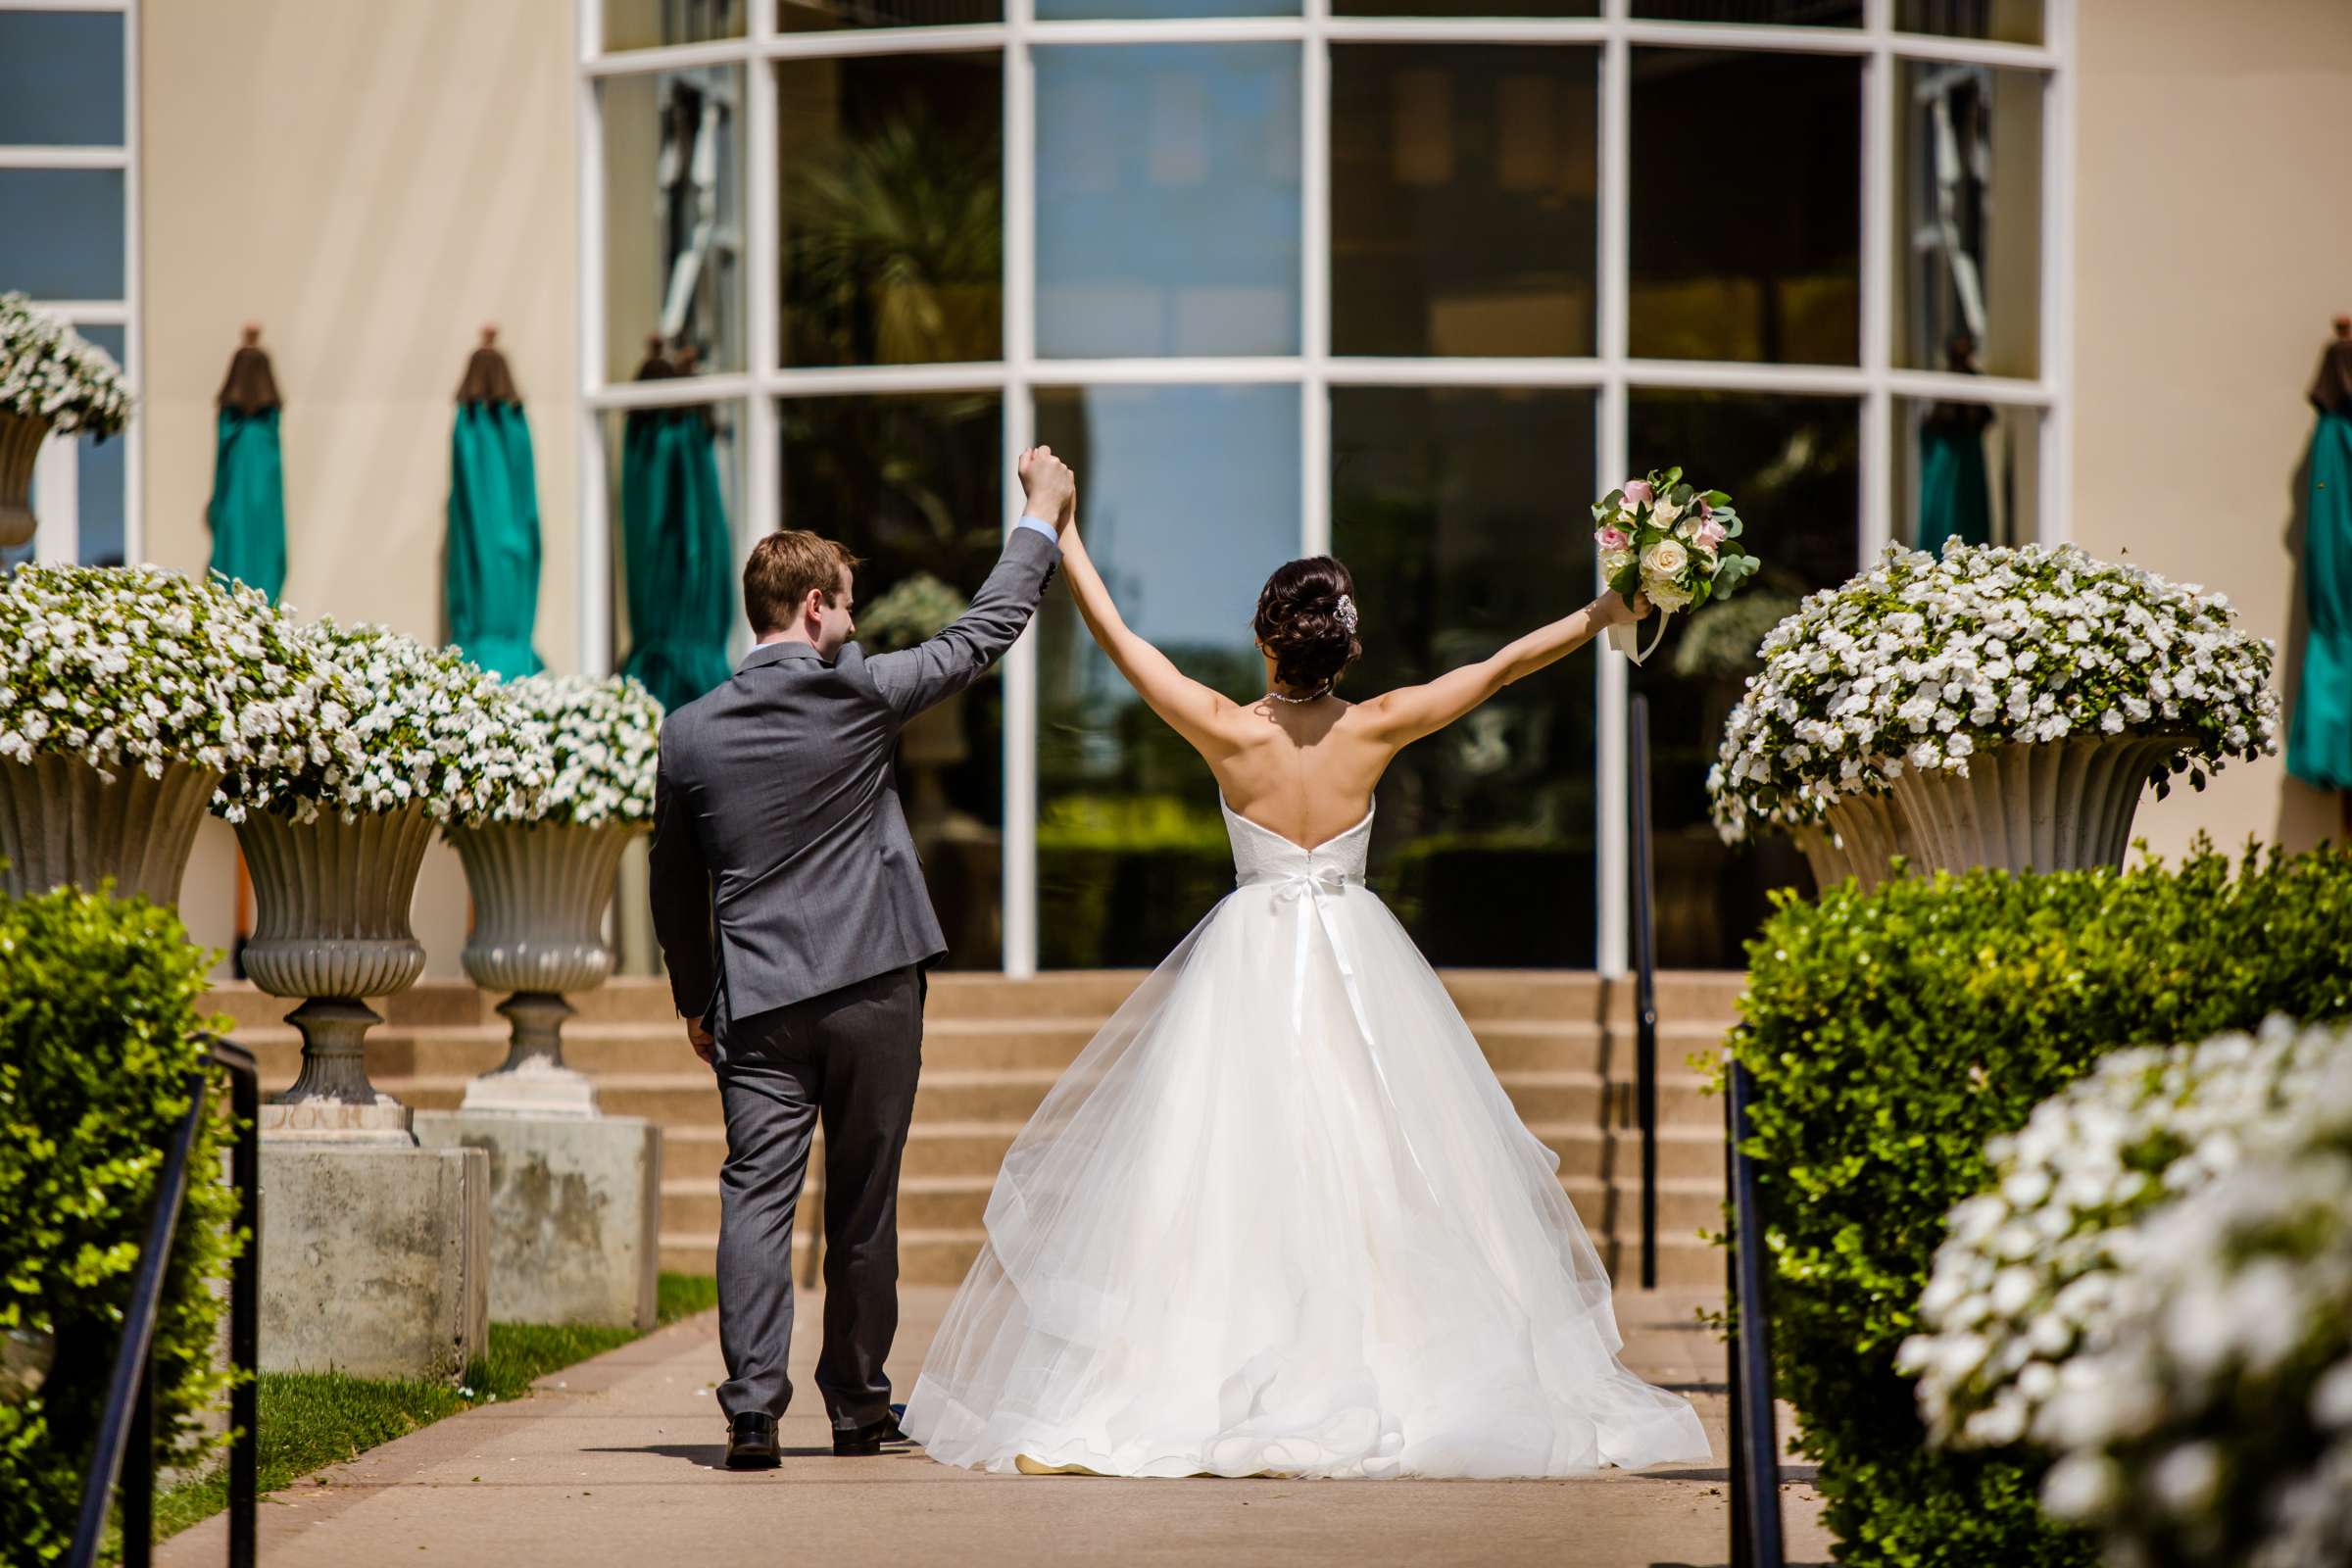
column 1676, row 546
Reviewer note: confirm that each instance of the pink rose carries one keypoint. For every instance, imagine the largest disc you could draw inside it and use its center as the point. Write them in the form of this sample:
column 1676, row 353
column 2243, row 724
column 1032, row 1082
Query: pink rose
column 1613, row 539
column 1708, row 534
column 1637, row 493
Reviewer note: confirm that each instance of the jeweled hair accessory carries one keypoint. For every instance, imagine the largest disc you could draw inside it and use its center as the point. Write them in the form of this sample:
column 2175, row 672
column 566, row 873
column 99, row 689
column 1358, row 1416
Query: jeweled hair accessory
column 1347, row 613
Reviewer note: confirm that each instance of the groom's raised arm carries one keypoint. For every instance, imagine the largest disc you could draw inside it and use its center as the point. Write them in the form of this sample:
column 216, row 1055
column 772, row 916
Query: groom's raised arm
column 934, row 670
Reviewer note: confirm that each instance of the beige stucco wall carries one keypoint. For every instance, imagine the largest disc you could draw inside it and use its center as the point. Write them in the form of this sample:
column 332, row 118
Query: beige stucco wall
column 2212, row 245
column 372, row 182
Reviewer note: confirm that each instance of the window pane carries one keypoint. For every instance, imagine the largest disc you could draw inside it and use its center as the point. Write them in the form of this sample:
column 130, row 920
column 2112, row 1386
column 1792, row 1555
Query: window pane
column 61, row 79
column 1167, row 217
column 102, row 475
column 1746, row 206
column 674, row 235
column 891, row 215
column 1188, row 497
column 826, row 15
column 1460, row 513
column 649, row 23
column 1771, row 13
column 2003, row 21
column 1790, row 463
column 1967, row 289
column 1462, row 198
column 1467, row 8
column 1146, row 10
column 1966, row 471
column 911, row 486
column 63, row 236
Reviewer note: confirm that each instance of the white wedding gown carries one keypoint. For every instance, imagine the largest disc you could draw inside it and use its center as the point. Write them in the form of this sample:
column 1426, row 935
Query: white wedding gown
column 1281, row 1217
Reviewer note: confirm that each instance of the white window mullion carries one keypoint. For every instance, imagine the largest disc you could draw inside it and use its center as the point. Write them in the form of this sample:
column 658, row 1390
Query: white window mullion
column 1315, row 286
column 135, row 343
column 1019, row 419
column 1876, row 464
column 57, row 501
column 762, row 501
column 2054, row 525
column 594, row 607
column 1610, row 458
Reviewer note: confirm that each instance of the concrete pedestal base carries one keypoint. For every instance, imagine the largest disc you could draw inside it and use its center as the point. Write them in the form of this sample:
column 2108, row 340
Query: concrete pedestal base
column 375, row 1261
column 536, row 1088
column 574, row 1212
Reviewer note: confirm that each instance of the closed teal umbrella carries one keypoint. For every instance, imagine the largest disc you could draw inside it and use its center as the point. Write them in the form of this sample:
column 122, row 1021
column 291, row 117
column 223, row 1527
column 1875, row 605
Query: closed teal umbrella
column 676, row 549
column 2319, row 742
column 1955, row 495
column 493, row 567
column 247, row 512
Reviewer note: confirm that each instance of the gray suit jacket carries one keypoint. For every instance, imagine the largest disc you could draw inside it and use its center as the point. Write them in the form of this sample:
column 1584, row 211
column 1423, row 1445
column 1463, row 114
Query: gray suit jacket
column 782, row 867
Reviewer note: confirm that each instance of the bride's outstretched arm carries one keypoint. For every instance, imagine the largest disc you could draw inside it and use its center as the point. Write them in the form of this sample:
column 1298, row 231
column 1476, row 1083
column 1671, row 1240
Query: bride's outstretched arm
column 1409, row 712
column 1191, row 709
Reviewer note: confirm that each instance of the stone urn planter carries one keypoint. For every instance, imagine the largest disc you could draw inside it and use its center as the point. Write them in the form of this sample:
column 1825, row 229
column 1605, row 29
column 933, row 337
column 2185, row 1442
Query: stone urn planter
column 1859, row 836
column 331, row 926
column 540, row 892
column 62, row 823
column 2056, row 806
column 20, row 438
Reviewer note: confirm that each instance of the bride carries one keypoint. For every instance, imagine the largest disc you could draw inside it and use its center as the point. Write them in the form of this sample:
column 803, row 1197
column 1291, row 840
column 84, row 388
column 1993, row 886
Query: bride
column 1280, row 1217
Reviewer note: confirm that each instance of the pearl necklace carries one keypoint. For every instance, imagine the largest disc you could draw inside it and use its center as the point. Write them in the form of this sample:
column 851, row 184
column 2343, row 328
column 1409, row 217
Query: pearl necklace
column 1317, row 695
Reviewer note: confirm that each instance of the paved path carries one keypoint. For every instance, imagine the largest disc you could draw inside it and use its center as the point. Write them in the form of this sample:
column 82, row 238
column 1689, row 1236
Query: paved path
column 616, row 1460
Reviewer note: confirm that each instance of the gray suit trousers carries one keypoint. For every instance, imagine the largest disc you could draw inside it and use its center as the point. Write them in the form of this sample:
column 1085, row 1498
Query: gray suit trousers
column 845, row 1060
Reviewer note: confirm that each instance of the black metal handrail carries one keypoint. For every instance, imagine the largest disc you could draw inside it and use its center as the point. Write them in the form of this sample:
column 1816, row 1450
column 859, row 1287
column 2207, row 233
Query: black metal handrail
column 1645, row 990
column 1755, row 1443
column 124, row 1449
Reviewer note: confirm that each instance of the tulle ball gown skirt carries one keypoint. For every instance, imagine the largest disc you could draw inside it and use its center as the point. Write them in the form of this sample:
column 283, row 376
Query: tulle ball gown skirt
column 1280, row 1217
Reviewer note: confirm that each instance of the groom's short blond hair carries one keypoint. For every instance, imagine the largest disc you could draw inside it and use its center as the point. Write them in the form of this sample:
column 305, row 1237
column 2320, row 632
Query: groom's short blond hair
column 784, row 568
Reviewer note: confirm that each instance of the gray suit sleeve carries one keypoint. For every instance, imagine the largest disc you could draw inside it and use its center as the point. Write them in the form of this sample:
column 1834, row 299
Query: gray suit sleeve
column 932, row 671
column 679, row 884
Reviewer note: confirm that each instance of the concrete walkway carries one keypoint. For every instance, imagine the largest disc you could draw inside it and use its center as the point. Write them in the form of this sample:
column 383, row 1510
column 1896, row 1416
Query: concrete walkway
column 617, row 1460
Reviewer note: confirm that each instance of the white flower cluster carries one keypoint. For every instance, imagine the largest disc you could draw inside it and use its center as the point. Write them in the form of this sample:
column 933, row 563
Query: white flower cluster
column 140, row 668
column 1922, row 662
column 2213, row 1425
column 604, row 734
column 2027, row 1278
column 47, row 372
column 428, row 728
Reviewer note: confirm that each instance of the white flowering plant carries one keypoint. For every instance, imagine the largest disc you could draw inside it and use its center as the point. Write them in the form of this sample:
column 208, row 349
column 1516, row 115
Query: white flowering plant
column 1924, row 660
column 425, row 728
column 49, row 371
column 604, row 736
column 2213, row 1425
column 916, row 608
column 2027, row 1275
column 139, row 667
column 1677, row 546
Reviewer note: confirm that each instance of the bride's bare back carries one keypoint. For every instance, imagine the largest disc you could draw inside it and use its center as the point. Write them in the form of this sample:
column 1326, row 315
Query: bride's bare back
column 1306, row 769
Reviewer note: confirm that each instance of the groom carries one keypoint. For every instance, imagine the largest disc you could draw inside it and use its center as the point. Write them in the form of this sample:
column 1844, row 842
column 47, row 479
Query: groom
column 792, row 914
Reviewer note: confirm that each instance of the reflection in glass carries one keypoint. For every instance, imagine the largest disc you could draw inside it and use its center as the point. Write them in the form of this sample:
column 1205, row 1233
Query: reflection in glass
column 650, row 24
column 1454, row 509
column 62, row 238
column 61, row 78
column 674, row 235
column 1153, row 10
column 2002, row 20
column 1746, row 206
column 1188, row 497
column 1791, row 462
column 911, row 486
column 101, row 481
column 1966, row 471
column 1167, row 210
column 1968, row 285
column 890, row 212
column 1462, row 198
column 1771, row 13
column 829, row 15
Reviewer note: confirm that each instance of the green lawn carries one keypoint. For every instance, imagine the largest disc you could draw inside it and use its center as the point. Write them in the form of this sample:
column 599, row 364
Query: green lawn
column 310, row 1420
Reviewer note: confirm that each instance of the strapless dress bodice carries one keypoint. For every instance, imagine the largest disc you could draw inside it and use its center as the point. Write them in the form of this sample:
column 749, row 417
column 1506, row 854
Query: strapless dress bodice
column 1262, row 856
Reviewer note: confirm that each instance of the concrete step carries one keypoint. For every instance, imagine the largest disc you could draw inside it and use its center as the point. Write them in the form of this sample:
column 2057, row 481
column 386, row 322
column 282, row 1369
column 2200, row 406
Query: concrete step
column 944, row 1257
column 690, row 1205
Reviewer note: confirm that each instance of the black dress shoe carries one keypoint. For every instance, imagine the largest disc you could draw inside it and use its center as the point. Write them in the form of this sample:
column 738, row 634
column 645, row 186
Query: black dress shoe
column 751, row 1441
column 870, row 1439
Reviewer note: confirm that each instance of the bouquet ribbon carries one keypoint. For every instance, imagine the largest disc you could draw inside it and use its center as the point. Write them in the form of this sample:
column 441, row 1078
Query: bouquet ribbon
column 1627, row 638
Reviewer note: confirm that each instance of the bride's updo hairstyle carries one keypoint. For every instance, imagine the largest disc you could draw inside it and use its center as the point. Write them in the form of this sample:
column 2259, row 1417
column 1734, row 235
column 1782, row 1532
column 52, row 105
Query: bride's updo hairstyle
column 1306, row 618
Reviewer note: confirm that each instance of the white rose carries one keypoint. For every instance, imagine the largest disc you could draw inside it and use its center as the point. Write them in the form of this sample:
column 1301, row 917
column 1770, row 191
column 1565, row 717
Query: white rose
column 1665, row 558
